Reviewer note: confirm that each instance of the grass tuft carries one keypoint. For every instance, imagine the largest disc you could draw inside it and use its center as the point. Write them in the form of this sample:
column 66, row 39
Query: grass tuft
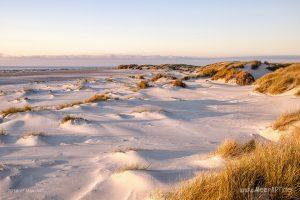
column 286, row 119
column 71, row 118
column 14, row 110
column 280, row 81
column 97, row 98
column 269, row 165
column 133, row 167
column 178, row 83
column 227, row 74
column 143, row 85
column 68, row 105
column 231, row 148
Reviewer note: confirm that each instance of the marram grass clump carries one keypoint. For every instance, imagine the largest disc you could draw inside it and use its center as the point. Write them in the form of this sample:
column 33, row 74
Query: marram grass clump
column 285, row 120
column 232, row 148
column 143, row 85
column 271, row 169
column 280, row 81
column 97, row 98
column 13, row 110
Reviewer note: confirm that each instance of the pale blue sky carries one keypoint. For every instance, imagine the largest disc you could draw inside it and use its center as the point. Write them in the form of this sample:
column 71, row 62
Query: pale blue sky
column 150, row 27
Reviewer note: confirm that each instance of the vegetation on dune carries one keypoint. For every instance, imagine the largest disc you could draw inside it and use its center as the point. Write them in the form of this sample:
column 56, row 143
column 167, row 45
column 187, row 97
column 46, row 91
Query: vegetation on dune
column 71, row 118
column 68, row 105
column 244, row 78
column 275, row 66
column 282, row 80
column 14, row 110
column 179, row 67
column 159, row 76
column 232, row 148
column 269, row 165
column 178, row 83
column 143, row 85
column 133, row 167
column 254, row 170
column 208, row 71
column 192, row 76
column 97, row 98
column 286, row 120
column 226, row 73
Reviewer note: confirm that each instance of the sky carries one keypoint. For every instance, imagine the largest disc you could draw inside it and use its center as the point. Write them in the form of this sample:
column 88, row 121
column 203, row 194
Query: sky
column 198, row 28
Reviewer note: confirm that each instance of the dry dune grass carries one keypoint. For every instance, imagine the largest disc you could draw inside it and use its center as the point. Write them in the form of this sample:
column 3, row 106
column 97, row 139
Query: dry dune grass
column 224, row 70
column 158, row 76
column 68, row 105
column 14, row 110
column 97, row 98
column 269, row 165
column 232, row 148
column 298, row 93
column 226, row 73
column 93, row 99
column 286, row 120
column 257, row 171
column 143, row 85
column 282, row 80
column 178, row 83
column 132, row 167
column 71, row 118
column 244, row 78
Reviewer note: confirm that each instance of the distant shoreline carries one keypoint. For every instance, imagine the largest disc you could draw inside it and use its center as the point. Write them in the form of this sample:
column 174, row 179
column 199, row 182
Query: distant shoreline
column 42, row 62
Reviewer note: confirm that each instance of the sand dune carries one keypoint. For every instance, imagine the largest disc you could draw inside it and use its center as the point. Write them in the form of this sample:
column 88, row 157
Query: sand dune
column 129, row 146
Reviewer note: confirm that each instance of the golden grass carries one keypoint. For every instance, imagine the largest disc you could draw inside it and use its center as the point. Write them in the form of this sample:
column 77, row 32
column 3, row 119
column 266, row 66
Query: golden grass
column 14, row 110
column 141, row 77
column 143, row 85
column 132, row 167
column 270, row 165
column 206, row 72
column 227, row 74
column 159, row 76
column 70, row 118
column 156, row 77
column 297, row 93
column 244, row 78
column 68, row 105
column 286, row 120
column 178, row 83
column 97, row 98
column 232, row 148
column 282, row 80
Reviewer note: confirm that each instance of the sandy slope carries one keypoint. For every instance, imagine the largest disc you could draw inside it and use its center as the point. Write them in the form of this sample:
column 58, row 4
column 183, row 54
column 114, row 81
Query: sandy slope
column 164, row 134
